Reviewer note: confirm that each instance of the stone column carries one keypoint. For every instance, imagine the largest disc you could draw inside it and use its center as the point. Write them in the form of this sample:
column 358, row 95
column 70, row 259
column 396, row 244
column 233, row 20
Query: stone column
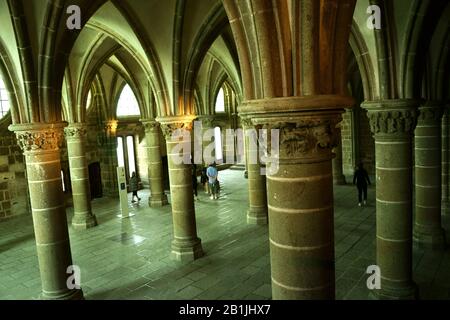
column 300, row 193
column 186, row 245
column 207, row 124
column 445, row 207
column 41, row 145
column 158, row 198
column 257, row 212
column 392, row 123
column 338, row 173
column 83, row 217
column 427, row 225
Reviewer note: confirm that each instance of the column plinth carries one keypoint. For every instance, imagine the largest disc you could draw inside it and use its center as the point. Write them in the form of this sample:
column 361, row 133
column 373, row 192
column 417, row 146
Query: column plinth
column 257, row 212
column 186, row 246
column 41, row 145
column 83, row 217
column 428, row 230
column 300, row 192
column 158, row 197
column 393, row 122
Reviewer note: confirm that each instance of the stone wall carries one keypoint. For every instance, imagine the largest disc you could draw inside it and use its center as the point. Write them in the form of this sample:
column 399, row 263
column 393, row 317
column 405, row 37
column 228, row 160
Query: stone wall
column 13, row 184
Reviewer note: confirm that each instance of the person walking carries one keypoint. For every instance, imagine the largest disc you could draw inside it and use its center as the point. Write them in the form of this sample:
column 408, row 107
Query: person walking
column 212, row 174
column 204, row 180
column 134, row 186
column 361, row 179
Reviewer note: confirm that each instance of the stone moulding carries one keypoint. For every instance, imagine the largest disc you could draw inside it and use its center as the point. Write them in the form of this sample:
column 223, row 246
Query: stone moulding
column 208, row 121
column 39, row 137
column 150, row 126
column 75, row 131
column 431, row 111
column 170, row 124
column 308, row 126
column 392, row 117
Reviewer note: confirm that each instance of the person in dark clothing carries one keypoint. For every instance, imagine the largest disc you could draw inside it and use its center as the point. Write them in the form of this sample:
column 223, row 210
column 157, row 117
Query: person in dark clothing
column 361, row 179
column 134, row 187
column 204, row 180
column 195, row 181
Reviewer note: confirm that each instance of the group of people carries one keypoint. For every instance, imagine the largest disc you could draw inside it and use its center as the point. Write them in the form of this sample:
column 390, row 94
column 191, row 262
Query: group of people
column 209, row 180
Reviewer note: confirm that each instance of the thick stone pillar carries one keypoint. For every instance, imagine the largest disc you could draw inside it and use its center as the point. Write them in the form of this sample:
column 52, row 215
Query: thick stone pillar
column 428, row 230
column 338, row 172
column 392, row 123
column 445, row 201
column 158, row 197
column 83, row 217
column 257, row 212
column 41, row 145
column 185, row 245
column 300, row 193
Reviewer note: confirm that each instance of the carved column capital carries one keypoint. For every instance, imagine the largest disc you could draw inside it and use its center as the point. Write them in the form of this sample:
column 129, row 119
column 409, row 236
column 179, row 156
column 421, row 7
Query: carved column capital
column 246, row 122
column 151, row 126
column 208, row 121
column 170, row 124
column 39, row 137
column 307, row 126
column 111, row 127
column 304, row 136
column 392, row 117
column 431, row 112
column 76, row 131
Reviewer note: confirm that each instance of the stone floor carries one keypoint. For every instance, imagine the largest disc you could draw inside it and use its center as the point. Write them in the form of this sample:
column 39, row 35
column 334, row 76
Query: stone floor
column 129, row 259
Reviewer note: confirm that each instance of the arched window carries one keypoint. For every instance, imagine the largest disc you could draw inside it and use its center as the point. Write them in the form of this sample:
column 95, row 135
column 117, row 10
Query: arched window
column 128, row 105
column 4, row 99
column 89, row 100
column 220, row 101
column 218, row 144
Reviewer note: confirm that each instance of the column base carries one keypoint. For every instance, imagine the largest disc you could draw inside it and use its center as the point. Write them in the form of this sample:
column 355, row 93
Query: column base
column 70, row 295
column 188, row 250
column 158, row 200
column 83, row 221
column 258, row 216
column 407, row 293
column 434, row 239
column 339, row 180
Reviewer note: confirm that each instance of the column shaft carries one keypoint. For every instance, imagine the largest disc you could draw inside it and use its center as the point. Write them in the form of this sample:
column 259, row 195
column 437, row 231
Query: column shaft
column 257, row 212
column 158, row 197
column 300, row 194
column 393, row 123
column 427, row 225
column 79, row 176
column 185, row 245
column 41, row 144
